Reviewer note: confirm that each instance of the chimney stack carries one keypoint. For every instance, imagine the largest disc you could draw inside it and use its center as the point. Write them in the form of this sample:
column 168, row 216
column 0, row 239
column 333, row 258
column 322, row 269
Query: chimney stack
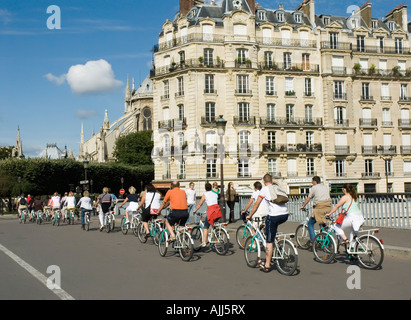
column 399, row 15
column 365, row 13
column 251, row 4
column 308, row 8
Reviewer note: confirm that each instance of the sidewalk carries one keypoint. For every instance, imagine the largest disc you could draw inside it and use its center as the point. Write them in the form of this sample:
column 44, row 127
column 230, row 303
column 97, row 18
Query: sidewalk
column 397, row 242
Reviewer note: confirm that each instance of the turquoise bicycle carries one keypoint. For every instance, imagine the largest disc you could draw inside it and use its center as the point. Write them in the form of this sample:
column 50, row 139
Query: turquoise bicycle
column 155, row 227
column 23, row 216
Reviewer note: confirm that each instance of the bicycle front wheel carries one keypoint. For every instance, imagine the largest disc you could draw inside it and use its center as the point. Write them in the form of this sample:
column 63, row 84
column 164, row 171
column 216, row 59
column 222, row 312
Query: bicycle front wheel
column 163, row 243
column 302, row 236
column 286, row 257
column 197, row 236
column 186, row 251
column 222, row 242
column 252, row 251
column 373, row 255
column 124, row 226
column 242, row 233
column 324, row 247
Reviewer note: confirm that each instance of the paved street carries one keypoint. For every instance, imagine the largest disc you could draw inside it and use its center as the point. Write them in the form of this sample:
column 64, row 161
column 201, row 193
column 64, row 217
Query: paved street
column 97, row 265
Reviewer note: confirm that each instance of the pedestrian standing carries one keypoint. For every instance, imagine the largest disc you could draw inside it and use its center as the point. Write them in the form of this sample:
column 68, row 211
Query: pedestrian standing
column 230, row 197
column 191, row 201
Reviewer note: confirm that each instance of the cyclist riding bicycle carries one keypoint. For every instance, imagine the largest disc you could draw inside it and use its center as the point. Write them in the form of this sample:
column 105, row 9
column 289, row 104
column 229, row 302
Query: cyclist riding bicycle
column 151, row 201
column 262, row 209
column 55, row 203
column 353, row 219
column 132, row 198
column 86, row 205
column 213, row 210
column 177, row 200
column 70, row 203
column 105, row 202
column 21, row 204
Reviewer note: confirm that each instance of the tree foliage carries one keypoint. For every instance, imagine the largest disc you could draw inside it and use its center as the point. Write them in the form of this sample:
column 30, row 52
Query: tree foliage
column 44, row 176
column 134, row 148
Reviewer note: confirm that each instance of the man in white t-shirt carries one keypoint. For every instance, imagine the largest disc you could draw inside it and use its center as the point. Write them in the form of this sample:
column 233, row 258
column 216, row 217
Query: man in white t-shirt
column 191, row 201
column 277, row 214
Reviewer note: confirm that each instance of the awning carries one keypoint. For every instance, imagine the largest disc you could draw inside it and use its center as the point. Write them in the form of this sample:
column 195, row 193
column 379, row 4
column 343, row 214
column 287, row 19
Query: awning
column 162, row 185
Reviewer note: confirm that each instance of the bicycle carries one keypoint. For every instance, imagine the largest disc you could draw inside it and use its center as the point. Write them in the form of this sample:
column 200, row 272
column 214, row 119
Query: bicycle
column 57, row 217
column 154, row 227
column 285, row 254
column 32, row 216
column 246, row 230
column 218, row 237
column 23, row 216
column 87, row 220
column 70, row 217
column 183, row 242
column 47, row 215
column 39, row 217
column 136, row 217
column 367, row 249
column 302, row 236
column 108, row 221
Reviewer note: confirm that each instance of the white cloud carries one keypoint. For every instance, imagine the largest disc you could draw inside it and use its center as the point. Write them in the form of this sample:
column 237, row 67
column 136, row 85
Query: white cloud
column 5, row 16
column 57, row 80
column 92, row 77
column 84, row 114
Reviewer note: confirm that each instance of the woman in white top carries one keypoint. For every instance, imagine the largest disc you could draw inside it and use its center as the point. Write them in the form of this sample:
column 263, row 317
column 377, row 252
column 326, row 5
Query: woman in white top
column 70, row 202
column 55, row 203
column 213, row 210
column 85, row 205
column 152, row 199
column 353, row 219
column 262, row 208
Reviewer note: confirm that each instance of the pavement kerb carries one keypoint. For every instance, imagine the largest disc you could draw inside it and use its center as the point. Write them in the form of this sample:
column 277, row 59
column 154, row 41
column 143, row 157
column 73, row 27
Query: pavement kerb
column 392, row 251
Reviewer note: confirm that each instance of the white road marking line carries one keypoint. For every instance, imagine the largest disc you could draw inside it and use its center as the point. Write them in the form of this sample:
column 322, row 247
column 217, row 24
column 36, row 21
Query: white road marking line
column 63, row 295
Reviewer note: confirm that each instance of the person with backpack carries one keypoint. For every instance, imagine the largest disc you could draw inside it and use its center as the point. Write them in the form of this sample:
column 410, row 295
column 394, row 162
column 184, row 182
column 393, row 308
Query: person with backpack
column 105, row 203
column 21, row 204
column 276, row 200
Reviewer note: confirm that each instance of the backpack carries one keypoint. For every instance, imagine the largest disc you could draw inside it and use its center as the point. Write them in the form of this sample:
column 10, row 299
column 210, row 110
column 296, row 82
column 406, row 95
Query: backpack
column 23, row 201
column 278, row 195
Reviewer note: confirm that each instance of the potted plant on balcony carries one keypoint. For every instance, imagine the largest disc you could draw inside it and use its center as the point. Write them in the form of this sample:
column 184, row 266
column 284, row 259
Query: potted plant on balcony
column 408, row 72
column 371, row 70
column 247, row 63
column 357, row 68
column 396, row 71
column 218, row 62
column 201, row 59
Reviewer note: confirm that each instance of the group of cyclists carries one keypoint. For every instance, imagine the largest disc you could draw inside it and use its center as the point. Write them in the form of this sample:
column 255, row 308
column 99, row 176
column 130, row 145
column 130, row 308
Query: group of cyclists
column 183, row 205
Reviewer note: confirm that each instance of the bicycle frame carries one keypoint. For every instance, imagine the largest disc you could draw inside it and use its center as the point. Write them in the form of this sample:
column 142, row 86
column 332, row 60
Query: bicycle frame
column 370, row 234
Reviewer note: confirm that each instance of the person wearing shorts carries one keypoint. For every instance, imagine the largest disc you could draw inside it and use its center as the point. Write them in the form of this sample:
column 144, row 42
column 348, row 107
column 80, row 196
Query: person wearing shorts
column 277, row 214
column 176, row 198
column 105, row 203
column 213, row 211
column 151, row 198
column 132, row 198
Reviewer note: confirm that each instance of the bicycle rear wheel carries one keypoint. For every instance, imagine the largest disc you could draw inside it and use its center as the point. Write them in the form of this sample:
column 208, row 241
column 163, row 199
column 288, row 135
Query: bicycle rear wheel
column 252, row 251
column 242, row 233
column 186, row 251
column 286, row 257
column 222, row 241
column 141, row 233
column 324, row 247
column 302, row 236
column 197, row 236
column 373, row 252
column 124, row 226
column 156, row 233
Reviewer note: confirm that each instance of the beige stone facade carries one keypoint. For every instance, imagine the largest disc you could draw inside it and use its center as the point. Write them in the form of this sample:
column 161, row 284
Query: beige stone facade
column 302, row 94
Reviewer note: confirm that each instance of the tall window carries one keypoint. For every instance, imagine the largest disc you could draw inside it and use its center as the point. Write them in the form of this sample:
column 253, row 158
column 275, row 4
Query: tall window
column 243, row 111
column 361, row 43
column 289, row 86
column 166, row 89
column 180, row 86
column 243, row 168
column 289, row 113
column 369, row 167
column 269, row 86
column 308, row 87
column 309, row 114
column 309, row 138
column 339, row 90
column 211, row 168
column 272, row 166
column 271, row 112
column 340, row 168
column 242, row 83
column 404, row 92
column 209, row 83
column 310, row 167
column 398, row 45
column 210, row 111
column 287, row 60
column 147, row 119
column 271, row 138
column 306, row 62
column 339, row 116
column 365, row 91
column 180, row 108
column 242, row 55
column 208, row 57
column 268, row 59
column 380, row 44
column 333, row 40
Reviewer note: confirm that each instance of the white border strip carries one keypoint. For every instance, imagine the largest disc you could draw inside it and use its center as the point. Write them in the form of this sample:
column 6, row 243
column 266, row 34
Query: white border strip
column 63, row 295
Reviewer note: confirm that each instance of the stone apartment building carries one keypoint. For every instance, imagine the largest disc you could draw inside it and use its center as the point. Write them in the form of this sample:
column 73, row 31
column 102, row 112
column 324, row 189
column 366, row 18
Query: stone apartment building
column 303, row 94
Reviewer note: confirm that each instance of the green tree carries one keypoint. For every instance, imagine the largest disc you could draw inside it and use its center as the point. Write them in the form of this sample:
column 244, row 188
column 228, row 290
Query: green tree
column 134, row 148
column 5, row 152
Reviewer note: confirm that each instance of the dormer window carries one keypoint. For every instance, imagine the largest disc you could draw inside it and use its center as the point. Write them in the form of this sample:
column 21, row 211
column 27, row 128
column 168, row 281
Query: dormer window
column 374, row 24
column 326, row 20
column 297, row 17
column 262, row 15
column 391, row 25
column 280, row 16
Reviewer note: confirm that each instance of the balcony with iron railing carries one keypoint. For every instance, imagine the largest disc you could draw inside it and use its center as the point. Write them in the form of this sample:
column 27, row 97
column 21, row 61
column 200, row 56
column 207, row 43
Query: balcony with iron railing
column 292, row 148
column 370, row 150
column 370, row 175
column 340, row 96
column 291, row 122
column 289, row 67
column 404, row 123
column 290, row 43
column 368, row 123
column 244, row 121
column 190, row 38
column 342, row 150
column 406, row 150
column 173, row 124
column 209, row 121
column 387, row 150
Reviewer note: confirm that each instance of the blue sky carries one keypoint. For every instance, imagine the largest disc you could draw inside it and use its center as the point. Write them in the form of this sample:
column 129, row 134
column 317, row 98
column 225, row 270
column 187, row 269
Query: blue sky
column 100, row 41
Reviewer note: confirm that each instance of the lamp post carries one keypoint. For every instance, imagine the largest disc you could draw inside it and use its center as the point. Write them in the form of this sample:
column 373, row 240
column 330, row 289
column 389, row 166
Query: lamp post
column 221, row 124
column 85, row 165
column 386, row 159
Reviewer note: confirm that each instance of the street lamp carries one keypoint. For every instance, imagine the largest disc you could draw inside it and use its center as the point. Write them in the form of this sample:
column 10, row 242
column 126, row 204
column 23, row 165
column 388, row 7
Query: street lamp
column 221, row 124
column 85, row 165
column 386, row 159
